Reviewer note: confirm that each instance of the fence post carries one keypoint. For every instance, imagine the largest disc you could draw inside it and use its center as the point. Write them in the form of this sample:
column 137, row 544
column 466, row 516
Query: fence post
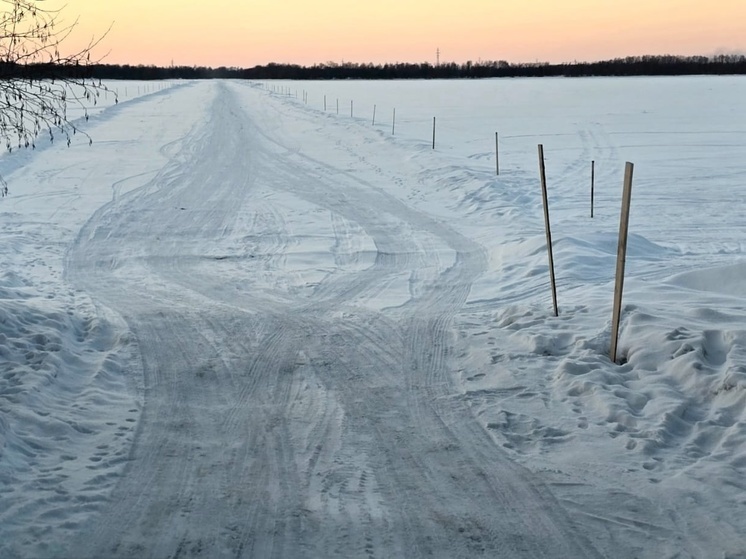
column 621, row 259
column 351, row 105
column 374, row 115
column 593, row 184
column 497, row 154
column 324, row 103
column 543, row 173
column 433, row 132
column 393, row 123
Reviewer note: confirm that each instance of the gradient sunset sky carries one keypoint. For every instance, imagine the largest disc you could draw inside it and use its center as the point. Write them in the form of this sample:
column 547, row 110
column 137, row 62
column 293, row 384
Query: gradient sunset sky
column 245, row 33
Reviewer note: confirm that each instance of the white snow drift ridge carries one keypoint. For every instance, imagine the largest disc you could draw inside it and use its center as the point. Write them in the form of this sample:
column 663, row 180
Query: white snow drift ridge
column 67, row 415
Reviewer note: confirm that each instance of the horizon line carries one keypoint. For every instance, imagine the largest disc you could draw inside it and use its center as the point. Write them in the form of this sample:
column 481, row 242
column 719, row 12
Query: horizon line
column 478, row 61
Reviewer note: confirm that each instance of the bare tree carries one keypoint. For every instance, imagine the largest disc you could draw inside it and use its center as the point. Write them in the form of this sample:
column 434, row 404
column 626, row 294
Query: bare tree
column 37, row 81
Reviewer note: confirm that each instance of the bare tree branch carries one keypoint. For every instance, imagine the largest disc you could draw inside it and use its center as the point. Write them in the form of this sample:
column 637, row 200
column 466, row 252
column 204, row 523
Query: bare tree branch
column 37, row 82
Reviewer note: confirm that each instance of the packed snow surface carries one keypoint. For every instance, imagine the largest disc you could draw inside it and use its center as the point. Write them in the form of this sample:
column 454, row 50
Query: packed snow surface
column 245, row 323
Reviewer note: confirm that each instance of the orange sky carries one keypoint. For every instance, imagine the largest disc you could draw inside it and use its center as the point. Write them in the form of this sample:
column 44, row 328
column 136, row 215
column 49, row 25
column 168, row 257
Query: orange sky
column 250, row 32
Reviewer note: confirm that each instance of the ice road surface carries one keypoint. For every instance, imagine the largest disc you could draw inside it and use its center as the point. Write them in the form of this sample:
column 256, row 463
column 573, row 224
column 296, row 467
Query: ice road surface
column 244, row 325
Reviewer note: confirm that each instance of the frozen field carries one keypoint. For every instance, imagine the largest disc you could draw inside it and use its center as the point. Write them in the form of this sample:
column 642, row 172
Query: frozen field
column 240, row 325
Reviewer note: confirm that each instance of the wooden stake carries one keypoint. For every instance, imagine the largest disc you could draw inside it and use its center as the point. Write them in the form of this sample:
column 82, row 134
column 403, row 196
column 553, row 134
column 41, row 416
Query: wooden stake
column 374, row 115
column 433, row 132
column 324, row 103
column 621, row 259
column 593, row 184
column 351, row 102
column 497, row 154
column 543, row 173
column 337, row 106
column 393, row 123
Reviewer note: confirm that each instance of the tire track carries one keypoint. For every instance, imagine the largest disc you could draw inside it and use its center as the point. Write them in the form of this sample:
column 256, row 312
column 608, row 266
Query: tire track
column 162, row 507
column 415, row 408
column 282, row 425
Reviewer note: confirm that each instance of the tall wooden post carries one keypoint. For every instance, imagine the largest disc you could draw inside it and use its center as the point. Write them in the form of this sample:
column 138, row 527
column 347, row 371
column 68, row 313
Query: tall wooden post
column 374, row 115
column 351, row 107
column 433, row 132
column 393, row 123
column 545, row 198
column 337, row 106
column 621, row 259
column 593, row 184
column 497, row 154
column 324, row 103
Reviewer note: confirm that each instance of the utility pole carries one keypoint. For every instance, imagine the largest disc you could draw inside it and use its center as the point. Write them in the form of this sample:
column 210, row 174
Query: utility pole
column 437, row 57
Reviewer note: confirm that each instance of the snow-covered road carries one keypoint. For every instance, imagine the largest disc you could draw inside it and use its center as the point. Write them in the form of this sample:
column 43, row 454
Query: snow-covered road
column 282, row 420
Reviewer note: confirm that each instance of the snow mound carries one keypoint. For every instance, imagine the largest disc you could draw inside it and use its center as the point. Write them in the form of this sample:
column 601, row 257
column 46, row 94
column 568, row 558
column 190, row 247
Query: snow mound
column 66, row 414
column 725, row 280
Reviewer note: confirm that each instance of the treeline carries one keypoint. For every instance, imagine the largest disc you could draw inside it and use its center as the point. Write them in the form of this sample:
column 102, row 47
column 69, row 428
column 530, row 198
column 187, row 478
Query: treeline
column 628, row 66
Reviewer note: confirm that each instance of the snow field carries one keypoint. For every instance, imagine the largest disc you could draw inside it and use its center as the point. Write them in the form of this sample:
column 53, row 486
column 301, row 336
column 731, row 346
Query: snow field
column 647, row 457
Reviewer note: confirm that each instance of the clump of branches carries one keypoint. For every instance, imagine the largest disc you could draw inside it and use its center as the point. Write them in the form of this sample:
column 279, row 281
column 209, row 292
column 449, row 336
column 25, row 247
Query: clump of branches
column 37, row 82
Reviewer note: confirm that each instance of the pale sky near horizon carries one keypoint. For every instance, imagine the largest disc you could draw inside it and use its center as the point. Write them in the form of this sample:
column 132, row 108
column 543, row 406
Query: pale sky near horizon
column 244, row 34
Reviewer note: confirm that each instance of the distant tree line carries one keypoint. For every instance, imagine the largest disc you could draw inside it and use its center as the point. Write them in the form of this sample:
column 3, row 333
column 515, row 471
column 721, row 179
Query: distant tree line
column 651, row 65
